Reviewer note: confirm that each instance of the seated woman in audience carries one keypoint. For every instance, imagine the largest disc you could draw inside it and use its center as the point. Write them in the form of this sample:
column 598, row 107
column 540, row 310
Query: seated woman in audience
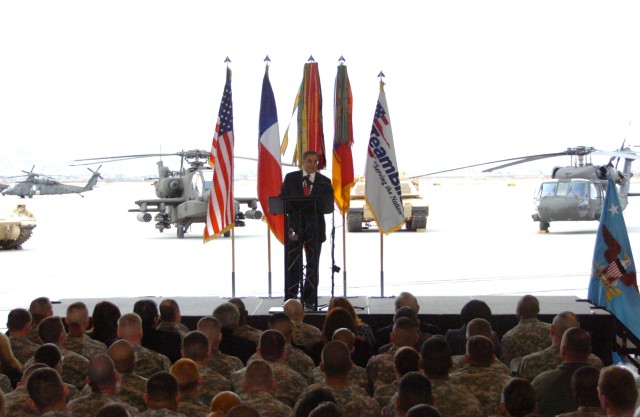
column 362, row 329
column 105, row 322
column 335, row 319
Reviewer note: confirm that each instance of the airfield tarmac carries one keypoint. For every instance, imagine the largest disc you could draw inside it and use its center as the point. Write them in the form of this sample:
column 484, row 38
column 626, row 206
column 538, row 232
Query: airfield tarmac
column 480, row 241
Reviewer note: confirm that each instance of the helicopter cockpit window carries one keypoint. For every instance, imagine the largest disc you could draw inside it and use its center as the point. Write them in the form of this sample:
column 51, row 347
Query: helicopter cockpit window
column 594, row 191
column 548, row 189
column 563, row 188
column 197, row 184
column 579, row 189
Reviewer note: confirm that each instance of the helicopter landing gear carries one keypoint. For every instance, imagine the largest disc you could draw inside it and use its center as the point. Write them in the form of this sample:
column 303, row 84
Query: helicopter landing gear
column 180, row 232
column 544, row 227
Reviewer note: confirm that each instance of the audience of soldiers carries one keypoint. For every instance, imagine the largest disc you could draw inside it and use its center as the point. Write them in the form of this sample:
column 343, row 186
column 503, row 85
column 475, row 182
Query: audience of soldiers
column 227, row 368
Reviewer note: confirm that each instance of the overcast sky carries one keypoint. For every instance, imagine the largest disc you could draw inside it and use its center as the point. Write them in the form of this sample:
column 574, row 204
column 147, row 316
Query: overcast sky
column 466, row 81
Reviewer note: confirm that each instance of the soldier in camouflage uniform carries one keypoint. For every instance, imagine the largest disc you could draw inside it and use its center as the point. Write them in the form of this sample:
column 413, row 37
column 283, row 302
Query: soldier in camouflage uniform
column 195, row 346
column 5, row 384
column 102, row 378
column 295, row 358
column 479, row 327
column 148, row 361
column 480, row 378
column 162, row 396
column 530, row 334
column 130, row 387
column 16, row 401
column 451, row 400
column 243, row 329
column 49, row 354
column 19, row 325
column 618, row 392
column 74, row 366
column 258, row 391
column 535, row 363
column 380, row 367
column 223, row 364
column 352, row 400
column 170, row 318
column 289, row 383
column 304, row 334
column 47, row 393
column 189, row 380
column 584, row 385
column 40, row 308
column 406, row 360
column 77, row 340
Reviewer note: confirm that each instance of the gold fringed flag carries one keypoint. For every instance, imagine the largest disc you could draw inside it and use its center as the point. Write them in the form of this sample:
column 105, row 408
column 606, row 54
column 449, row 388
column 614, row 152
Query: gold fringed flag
column 309, row 105
column 220, row 212
column 342, row 141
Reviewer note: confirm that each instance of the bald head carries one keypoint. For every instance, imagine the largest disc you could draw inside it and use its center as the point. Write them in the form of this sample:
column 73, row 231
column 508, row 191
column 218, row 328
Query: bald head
column 346, row 336
column 123, row 357
column 293, row 309
column 101, row 374
column 406, row 299
column 561, row 323
column 224, row 401
column 187, row 374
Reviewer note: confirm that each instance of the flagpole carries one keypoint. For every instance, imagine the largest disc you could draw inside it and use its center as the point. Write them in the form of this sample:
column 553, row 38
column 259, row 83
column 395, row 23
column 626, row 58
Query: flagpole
column 269, row 258
column 233, row 261
column 381, row 264
column 344, row 257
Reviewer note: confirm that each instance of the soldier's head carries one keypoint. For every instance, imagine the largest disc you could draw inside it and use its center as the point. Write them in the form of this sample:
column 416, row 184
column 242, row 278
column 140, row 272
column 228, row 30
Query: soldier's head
column 575, row 345
column 518, row 398
column 40, row 308
column 130, row 328
column 293, row 309
column 406, row 332
column 162, row 391
column 346, row 336
column 405, row 360
column 112, row 410
column 195, row 346
column 101, row 374
column 414, row 388
column 228, row 315
column 271, row 346
column 479, row 327
column 561, row 323
column 77, row 317
column 479, row 351
column 210, row 327
column 436, row 357
column 188, row 376
column 336, row 359
column 19, row 322
column 528, row 307
column 169, row 311
column 617, row 389
column 326, row 409
column 46, row 390
column 49, row 354
column 405, row 311
column 584, row 385
column 259, row 377
column 311, row 400
column 282, row 323
column 123, row 356
column 224, row 401
column 423, row 410
column 51, row 330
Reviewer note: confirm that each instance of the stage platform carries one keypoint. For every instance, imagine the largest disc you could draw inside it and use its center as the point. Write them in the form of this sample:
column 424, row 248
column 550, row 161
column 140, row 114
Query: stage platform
column 443, row 311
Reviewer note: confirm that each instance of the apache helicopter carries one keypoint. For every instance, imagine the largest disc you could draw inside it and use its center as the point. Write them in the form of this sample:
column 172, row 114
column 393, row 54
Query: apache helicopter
column 575, row 192
column 183, row 195
column 40, row 184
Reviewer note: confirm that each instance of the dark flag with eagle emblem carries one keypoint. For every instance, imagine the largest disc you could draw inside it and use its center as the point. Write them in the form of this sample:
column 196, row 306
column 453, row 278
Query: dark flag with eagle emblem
column 613, row 273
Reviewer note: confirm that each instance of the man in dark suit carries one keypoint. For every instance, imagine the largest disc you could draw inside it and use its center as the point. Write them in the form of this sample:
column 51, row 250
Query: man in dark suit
column 167, row 343
column 306, row 229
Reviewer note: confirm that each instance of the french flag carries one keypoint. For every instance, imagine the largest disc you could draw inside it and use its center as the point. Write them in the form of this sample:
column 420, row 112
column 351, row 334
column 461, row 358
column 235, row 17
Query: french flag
column 269, row 165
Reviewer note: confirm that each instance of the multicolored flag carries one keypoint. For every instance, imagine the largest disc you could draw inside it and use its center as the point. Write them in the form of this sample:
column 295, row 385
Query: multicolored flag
column 613, row 274
column 269, row 165
column 309, row 105
column 220, row 213
column 382, row 178
column 342, row 166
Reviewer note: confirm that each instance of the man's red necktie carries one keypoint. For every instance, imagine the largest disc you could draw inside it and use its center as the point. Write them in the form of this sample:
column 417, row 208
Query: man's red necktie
column 305, row 186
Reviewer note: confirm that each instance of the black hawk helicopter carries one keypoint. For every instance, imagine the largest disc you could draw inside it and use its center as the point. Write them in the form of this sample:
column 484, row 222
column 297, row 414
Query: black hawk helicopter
column 40, row 184
column 183, row 196
column 575, row 192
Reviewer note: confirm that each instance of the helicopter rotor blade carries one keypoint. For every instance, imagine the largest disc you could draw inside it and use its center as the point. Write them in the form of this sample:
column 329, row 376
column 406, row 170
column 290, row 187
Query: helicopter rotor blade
column 524, row 160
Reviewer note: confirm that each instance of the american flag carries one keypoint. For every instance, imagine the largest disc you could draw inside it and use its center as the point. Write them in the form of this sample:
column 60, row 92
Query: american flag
column 220, row 213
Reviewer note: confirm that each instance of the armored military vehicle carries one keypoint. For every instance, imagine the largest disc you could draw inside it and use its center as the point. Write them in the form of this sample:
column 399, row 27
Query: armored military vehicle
column 416, row 210
column 16, row 227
